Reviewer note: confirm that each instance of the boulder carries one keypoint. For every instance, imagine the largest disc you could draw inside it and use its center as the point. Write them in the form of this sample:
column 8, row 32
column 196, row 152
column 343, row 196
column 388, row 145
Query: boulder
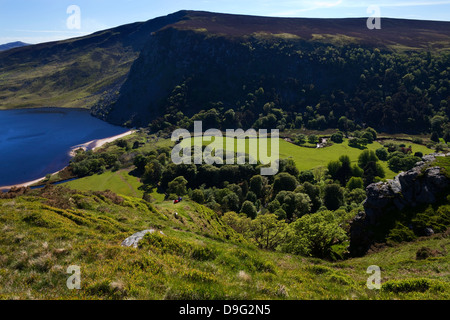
column 420, row 185
column 133, row 240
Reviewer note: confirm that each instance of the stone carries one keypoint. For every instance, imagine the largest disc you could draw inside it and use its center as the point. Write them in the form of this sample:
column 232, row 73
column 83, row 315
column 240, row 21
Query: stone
column 428, row 232
column 133, row 240
column 420, row 185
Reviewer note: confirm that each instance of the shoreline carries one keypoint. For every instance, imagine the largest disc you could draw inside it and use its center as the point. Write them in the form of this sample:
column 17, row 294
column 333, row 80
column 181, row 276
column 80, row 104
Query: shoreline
column 90, row 145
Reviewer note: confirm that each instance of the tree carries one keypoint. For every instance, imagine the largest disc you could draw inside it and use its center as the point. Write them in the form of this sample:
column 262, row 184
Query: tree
column 249, row 209
column 140, row 162
column 435, row 136
column 371, row 171
column 153, row 172
column 333, row 196
column 355, row 196
column 355, row 183
column 257, row 185
column 345, row 171
column 239, row 223
column 313, row 139
column 402, row 163
column 337, row 137
column 368, row 136
column 313, row 192
column 365, row 157
column 300, row 139
column 447, row 136
column 373, row 133
column 382, row 154
column 333, row 168
column 314, row 235
column 231, row 202
column 198, row 196
column 294, row 204
column 284, row 181
column 306, row 176
column 178, row 186
column 267, row 231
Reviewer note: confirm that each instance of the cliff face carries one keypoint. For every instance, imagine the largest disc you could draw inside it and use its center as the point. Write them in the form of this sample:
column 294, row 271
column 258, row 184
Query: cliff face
column 421, row 185
column 216, row 69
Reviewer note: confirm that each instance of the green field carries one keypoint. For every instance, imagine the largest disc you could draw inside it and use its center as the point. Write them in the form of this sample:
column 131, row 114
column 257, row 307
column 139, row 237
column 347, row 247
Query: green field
column 310, row 158
column 120, row 182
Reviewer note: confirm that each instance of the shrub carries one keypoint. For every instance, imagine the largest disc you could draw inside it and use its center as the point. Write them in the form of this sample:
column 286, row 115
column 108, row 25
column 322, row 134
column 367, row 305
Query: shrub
column 306, row 176
column 333, row 196
column 382, row 154
column 198, row 196
column 314, row 235
column 337, row 137
column 405, row 286
column 355, row 183
column 284, row 181
column 249, row 209
column 425, row 253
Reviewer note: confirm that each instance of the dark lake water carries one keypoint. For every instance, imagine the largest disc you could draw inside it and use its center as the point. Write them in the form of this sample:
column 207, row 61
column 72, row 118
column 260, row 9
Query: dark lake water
column 36, row 142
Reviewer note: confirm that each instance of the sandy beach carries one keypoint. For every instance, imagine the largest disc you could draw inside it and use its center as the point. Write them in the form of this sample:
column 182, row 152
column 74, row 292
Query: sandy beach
column 91, row 145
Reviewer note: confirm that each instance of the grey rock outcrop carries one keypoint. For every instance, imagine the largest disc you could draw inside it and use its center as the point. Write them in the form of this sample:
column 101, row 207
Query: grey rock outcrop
column 133, row 240
column 420, row 185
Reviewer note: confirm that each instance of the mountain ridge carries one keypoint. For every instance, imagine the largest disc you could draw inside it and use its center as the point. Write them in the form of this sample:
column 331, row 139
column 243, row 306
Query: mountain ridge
column 110, row 71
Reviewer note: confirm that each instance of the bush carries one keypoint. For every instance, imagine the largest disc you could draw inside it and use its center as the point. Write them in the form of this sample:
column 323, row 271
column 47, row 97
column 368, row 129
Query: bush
column 405, row 286
column 402, row 163
column 425, row 253
column 249, row 209
column 355, row 183
column 314, row 235
column 401, row 233
column 337, row 137
column 198, row 196
column 333, row 196
column 382, row 154
column 284, row 181
column 178, row 186
column 313, row 139
column 306, row 176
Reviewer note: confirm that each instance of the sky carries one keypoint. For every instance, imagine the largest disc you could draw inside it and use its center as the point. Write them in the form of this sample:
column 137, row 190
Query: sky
column 36, row 21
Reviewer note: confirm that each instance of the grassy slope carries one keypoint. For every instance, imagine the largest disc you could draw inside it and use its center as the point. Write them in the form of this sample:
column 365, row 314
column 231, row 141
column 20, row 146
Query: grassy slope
column 39, row 241
column 120, row 182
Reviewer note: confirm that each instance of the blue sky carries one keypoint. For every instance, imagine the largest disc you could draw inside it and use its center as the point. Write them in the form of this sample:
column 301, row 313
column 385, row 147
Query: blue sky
column 36, row 21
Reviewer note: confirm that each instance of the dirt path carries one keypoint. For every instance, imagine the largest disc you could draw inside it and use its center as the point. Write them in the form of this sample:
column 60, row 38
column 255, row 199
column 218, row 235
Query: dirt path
column 119, row 173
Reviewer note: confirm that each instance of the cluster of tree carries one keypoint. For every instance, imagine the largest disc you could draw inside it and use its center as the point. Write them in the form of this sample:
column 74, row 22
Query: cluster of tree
column 262, row 204
column 393, row 92
column 86, row 163
column 355, row 176
column 317, row 235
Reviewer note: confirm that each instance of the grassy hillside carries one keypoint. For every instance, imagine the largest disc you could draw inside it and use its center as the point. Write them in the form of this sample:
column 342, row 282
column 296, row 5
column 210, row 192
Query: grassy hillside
column 73, row 73
column 198, row 257
column 120, row 182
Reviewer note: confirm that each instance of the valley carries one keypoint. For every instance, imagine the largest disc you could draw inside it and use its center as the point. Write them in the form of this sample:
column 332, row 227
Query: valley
column 363, row 173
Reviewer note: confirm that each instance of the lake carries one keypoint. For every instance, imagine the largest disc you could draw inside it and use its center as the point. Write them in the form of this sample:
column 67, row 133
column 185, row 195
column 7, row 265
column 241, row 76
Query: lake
column 36, row 142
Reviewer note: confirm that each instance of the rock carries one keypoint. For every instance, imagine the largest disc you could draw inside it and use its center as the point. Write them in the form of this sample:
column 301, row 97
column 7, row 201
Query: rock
column 133, row 240
column 428, row 232
column 420, row 185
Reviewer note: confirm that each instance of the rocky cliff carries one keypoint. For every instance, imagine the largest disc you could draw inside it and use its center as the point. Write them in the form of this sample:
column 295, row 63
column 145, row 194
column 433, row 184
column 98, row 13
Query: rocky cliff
column 424, row 184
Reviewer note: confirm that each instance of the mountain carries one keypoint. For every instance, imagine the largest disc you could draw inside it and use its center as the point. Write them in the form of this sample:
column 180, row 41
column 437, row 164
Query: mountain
column 75, row 72
column 12, row 45
column 167, row 70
